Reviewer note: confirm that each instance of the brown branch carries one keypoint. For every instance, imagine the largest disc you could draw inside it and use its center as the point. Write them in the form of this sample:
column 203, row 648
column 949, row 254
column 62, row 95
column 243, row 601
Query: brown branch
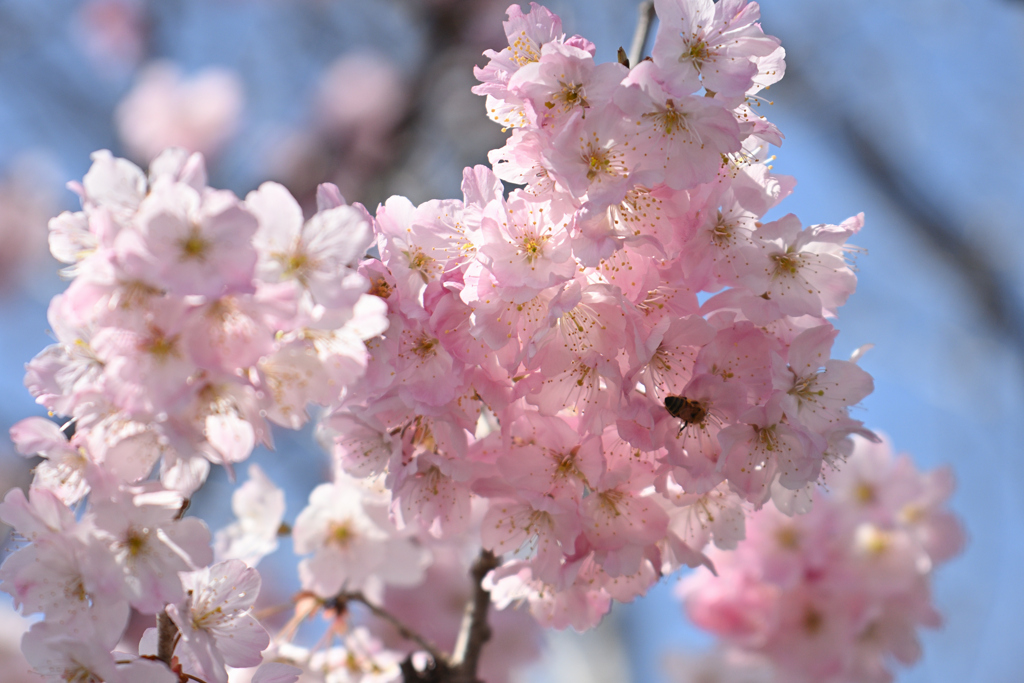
column 476, row 630
column 462, row 665
column 409, row 634
column 643, row 29
column 167, row 631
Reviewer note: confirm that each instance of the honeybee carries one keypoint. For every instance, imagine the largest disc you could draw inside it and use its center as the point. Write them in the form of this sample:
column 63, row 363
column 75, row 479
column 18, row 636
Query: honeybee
column 686, row 409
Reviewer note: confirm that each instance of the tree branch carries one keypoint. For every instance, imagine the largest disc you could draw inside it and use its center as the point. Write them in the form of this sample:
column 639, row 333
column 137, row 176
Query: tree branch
column 643, row 29
column 439, row 657
column 475, row 629
column 166, row 631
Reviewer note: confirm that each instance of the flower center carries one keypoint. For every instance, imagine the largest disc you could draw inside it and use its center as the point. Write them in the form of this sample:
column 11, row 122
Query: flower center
column 571, row 95
column 194, row 247
column 813, row 621
column 135, row 543
column 786, row 264
column 668, row 120
column 340, row 534
column 767, row 437
column 532, row 247
column 424, row 347
column 379, row 287
column 788, row 538
column 696, row 51
column 160, row 345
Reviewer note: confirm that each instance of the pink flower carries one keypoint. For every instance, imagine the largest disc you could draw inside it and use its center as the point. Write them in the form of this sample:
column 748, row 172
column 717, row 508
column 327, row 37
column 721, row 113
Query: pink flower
column 804, row 271
column 74, row 582
column 42, row 514
column 564, row 80
column 216, row 624
column 259, row 509
column 353, row 542
column 165, row 109
column 762, row 447
column 61, row 657
column 621, row 524
column 814, row 397
column 714, row 46
column 525, row 245
column 62, row 472
column 687, row 135
column 594, row 157
column 527, row 34
column 194, row 243
column 320, row 254
column 833, row 594
column 149, row 543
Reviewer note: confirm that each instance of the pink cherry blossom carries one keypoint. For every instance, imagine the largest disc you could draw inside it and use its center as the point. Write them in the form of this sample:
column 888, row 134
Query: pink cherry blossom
column 688, row 134
column 703, row 44
column 814, row 397
column 259, row 510
column 75, row 582
column 617, row 369
column 61, row 657
column 165, row 109
column 149, row 543
column 320, row 254
column 195, row 244
column 346, row 528
column 564, row 80
column 833, row 594
column 215, row 622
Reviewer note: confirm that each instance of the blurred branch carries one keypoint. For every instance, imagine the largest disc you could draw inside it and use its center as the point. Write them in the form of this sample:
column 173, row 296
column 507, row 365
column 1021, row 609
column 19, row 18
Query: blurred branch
column 476, row 630
column 643, row 30
column 167, row 632
column 446, row 25
column 400, row 628
column 923, row 213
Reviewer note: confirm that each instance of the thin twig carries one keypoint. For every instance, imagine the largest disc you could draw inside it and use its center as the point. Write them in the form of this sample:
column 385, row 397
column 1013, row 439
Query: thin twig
column 166, row 631
column 643, row 29
column 403, row 630
column 475, row 629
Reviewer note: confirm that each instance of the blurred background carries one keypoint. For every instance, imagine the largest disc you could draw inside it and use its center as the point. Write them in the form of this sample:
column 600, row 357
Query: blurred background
column 909, row 111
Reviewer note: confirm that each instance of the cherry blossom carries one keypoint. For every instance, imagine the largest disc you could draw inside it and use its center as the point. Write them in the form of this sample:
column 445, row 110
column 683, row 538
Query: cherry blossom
column 586, row 382
column 711, row 46
column 346, row 528
column 166, row 109
column 259, row 508
column 215, row 622
column 833, row 594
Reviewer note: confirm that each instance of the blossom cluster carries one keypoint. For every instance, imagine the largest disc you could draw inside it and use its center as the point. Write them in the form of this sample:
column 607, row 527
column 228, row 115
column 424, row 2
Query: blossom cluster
column 192, row 322
column 557, row 352
column 587, row 379
column 834, row 594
